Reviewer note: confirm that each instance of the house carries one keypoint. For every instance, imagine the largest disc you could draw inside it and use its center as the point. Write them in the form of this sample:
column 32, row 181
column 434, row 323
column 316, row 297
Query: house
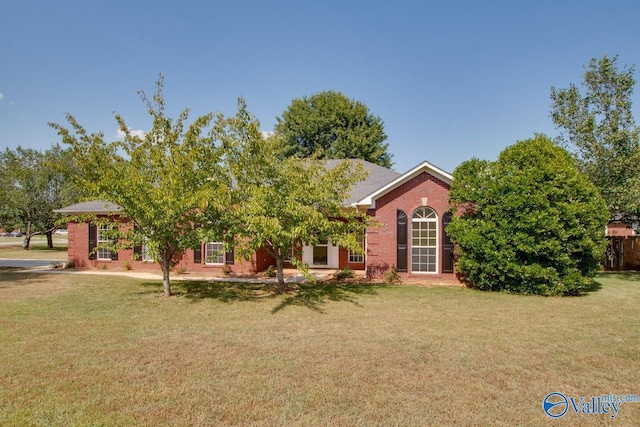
column 411, row 210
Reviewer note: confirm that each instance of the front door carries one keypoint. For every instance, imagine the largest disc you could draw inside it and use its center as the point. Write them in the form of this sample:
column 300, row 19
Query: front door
column 321, row 255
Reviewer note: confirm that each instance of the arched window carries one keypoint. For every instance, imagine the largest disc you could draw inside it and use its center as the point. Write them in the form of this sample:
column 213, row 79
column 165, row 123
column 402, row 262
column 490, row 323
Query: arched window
column 424, row 241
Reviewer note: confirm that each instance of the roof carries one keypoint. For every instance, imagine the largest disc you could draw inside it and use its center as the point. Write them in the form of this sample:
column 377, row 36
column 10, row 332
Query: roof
column 378, row 177
column 369, row 200
column 93, row 206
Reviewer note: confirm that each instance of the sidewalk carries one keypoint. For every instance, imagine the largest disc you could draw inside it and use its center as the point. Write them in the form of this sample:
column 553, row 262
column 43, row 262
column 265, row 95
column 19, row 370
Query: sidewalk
column 44, row 266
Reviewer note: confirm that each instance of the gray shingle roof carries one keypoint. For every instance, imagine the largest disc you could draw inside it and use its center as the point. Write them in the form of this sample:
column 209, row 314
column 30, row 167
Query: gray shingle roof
column 377, row 178
column 93, row 206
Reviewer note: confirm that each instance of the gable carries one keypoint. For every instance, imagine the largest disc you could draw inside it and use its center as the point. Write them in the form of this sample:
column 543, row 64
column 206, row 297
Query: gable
column 424, row 172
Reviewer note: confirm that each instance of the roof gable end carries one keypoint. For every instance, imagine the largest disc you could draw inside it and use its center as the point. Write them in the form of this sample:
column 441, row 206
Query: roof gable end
column 369, row 200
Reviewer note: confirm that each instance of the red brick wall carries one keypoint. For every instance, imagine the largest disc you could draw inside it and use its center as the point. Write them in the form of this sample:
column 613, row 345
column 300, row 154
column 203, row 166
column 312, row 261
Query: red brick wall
column 78, row 253
column 382, row 241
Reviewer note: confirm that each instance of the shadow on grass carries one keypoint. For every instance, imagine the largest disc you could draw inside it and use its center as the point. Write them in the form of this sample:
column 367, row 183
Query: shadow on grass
column 47, row 249
column 594, row 286
column 630, row 276
column 197, row 290
column 315, row 296
column 309, row 295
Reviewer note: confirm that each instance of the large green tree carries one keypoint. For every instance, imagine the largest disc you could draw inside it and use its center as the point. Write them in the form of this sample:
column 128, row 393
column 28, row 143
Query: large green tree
column 281, row 202
column 598, row 126
column 31, row 187
column 330, row 125
column 167, row 182
column 529, row 222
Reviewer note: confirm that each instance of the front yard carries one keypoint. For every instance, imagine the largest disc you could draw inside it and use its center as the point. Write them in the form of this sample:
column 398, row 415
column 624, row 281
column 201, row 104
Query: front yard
column 102, row 350
column 11, row 248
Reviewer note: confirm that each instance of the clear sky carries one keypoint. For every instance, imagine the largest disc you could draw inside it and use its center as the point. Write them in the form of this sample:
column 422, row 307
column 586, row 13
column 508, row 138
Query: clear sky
column 450, row 79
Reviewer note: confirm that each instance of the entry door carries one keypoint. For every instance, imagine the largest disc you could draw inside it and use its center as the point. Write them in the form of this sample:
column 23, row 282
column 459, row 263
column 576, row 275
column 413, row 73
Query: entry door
column 322, row 255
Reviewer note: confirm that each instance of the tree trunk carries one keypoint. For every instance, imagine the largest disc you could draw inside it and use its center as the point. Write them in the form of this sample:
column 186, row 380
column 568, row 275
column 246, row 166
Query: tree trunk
column 166, row 284
column 165, row 264
column 27, row 237
column 50, row 239
column 279, row 268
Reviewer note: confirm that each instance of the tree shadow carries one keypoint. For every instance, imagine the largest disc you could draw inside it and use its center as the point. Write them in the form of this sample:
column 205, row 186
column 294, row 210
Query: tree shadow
column 224, row 291
column 315, row 295
column 630, row 276
column 594, row 286
column 310, row 295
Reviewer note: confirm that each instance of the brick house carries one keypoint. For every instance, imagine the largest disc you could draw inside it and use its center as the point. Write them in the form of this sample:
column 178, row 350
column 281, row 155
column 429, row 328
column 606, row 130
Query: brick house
column 410, row 208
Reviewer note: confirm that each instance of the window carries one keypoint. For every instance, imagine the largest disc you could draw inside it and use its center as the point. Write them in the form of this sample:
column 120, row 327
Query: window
column 424, row 241
column 213, row 254
column 145, row 255
column 103, row 239
column 290, row 255
column 358, row 258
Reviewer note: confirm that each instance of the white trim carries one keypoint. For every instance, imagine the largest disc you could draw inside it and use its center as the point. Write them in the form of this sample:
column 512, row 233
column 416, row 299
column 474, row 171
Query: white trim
column 102, row 254
column 436, row 220
column 369, row 201
column 333, row 253
column 215, row 254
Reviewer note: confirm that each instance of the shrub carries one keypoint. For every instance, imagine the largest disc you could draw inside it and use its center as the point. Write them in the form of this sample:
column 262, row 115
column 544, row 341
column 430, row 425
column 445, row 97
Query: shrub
column 344, row 273
column 392, row 276
column 270, row 271
column 226, row 270
column 529, row 223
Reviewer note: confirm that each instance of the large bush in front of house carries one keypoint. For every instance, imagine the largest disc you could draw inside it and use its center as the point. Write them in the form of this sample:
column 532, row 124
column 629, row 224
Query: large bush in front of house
column 528, row 223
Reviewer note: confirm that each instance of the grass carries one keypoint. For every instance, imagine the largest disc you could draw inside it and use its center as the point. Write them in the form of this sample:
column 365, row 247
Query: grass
column 99, row 350
column 11, row 248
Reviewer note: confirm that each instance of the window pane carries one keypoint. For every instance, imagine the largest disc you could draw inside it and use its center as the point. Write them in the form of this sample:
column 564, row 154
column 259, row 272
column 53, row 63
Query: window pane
column 214, row 254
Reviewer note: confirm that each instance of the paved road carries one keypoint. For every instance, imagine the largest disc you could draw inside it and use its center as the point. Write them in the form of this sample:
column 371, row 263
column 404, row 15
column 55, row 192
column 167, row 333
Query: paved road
column 27, row 263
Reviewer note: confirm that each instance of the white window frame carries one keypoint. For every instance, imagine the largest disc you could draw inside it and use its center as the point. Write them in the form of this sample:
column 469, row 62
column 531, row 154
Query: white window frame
column 354, row 257
column 144, row 252
column 421, row 216
column 102, row 254
column 214, row 254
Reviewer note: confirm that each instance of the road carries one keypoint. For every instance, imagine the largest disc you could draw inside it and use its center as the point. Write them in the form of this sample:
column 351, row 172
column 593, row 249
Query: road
column 27, row 263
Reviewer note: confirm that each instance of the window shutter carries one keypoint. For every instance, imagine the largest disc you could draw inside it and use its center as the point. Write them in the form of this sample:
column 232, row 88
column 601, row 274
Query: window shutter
column 93, row 237
column 114, row 252
column 447, row 245
column 197, row 255
column 230, row 257
column 401, row 255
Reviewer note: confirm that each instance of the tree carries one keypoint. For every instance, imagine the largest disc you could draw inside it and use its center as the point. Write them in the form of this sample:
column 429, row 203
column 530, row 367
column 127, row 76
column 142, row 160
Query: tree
column 528, row 223
column 332, row 126
column 31, row 188
column 167, row 182
column 282, row 202
column 599, row 128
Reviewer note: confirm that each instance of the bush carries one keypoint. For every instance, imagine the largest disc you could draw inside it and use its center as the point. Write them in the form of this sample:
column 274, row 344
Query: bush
column 271, row 271
column 345, row 273
column 529, row 223
column 392, row 277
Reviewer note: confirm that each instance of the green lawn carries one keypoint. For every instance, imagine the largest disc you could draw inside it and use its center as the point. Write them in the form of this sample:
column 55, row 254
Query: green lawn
column 11, row 247
column 99, row 350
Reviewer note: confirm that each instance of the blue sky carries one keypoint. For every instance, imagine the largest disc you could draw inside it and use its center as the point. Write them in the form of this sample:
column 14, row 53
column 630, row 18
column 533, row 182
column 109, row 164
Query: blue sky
column 450, row 80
